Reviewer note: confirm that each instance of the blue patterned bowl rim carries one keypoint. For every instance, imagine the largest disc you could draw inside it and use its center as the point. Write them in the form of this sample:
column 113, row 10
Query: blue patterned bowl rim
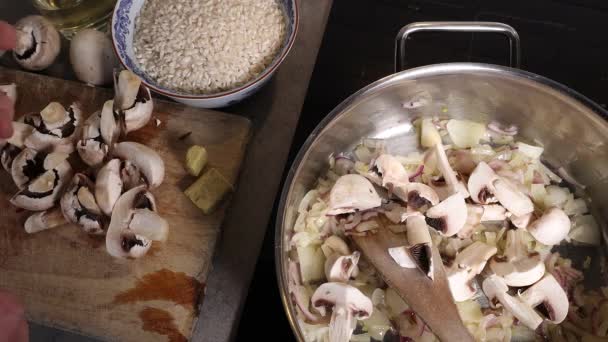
column 120, row 29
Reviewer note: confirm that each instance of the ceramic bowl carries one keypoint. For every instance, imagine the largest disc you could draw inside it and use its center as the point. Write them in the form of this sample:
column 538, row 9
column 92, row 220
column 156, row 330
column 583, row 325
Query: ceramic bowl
column 123, row 28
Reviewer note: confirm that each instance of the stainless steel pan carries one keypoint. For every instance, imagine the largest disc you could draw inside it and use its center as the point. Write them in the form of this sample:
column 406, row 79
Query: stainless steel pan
column 570, row 126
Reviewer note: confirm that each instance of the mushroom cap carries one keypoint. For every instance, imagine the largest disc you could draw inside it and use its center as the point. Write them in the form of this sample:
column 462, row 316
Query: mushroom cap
column 92, row 57
column 339, row 268
column 339, row 295
column 517, row 266
column 131, row 229
column 352, row 193
column 548, row 292
column 147, row 161
column 391, row 170
column 108, row 186
column 495, row 287
column 43, row 192
column 511, row 198
column 459, row 281
column 493, row 213
column 480, row 185
column 519, row 273
column 419, row 195
column 449, row 216
column 551, row 228
column 467, row 264
column 38, row 43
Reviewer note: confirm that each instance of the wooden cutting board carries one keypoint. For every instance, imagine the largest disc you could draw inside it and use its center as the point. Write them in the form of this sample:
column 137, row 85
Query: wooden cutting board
column 67, row 280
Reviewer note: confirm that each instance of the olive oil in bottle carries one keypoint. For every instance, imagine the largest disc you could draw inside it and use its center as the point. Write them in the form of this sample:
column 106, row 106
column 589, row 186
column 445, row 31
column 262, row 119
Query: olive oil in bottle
column 70, row 16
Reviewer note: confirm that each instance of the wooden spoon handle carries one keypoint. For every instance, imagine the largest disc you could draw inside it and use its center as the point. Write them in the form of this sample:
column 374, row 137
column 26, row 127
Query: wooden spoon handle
column 430, row 299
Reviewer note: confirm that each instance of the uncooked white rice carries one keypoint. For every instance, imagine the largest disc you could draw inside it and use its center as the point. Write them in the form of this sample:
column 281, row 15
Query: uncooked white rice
column 207, row 46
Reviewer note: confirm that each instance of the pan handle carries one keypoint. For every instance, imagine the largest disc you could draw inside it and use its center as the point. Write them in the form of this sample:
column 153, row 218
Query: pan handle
column 457, row 26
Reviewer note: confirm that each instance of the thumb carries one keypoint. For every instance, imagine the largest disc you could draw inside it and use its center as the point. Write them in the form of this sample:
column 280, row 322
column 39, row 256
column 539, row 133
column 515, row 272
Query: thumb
column 13, row 326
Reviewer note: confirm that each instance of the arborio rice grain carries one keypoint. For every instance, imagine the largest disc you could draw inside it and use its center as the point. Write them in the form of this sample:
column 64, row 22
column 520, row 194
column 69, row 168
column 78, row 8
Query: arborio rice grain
column 207, row 46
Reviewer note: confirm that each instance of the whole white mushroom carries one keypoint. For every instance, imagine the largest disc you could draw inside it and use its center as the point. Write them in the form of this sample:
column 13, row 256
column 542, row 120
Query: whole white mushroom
column 92, row 57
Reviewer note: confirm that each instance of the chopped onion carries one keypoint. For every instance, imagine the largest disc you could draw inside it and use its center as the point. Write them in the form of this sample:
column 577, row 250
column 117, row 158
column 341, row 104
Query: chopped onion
column 556, row 196
column 377, row 324
column 470, row 311
column 378, row 297
column 530, row 151
column 538, row 193
column 363, row 154
column 312, row 263
column 464, row 133
column 585, row 230
column 575, row 206
column 429, row 135
column 310, row 196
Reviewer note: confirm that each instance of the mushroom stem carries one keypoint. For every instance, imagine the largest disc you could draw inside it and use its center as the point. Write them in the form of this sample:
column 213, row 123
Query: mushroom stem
column 341, row 325
column 44, row 220
column 454, row 185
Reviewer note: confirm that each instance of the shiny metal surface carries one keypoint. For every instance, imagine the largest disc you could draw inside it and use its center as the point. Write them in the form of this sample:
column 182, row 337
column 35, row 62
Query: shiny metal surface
column 456, row 26
column 571, row 127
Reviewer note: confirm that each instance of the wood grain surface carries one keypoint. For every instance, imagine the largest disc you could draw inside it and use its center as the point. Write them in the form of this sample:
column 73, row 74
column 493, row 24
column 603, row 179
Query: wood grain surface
column 67, row 280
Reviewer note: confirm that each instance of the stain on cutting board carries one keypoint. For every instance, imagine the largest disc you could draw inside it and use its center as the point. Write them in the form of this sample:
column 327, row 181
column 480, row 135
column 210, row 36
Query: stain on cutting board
column 177, row 287
column 161, row 322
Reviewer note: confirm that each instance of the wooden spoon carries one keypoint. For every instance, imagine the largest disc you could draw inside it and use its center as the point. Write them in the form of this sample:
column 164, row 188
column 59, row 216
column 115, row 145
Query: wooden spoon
column 430, row 299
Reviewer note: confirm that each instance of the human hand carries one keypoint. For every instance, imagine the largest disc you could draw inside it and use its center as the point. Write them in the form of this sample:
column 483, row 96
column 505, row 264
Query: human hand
column 8, row 40
column 13, row 326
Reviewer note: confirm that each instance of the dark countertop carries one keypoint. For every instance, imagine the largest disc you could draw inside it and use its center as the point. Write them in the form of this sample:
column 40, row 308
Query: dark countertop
column 564, row 40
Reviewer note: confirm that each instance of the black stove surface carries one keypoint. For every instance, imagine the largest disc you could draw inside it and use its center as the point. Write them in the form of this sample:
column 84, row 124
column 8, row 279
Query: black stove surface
column 565, row 40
